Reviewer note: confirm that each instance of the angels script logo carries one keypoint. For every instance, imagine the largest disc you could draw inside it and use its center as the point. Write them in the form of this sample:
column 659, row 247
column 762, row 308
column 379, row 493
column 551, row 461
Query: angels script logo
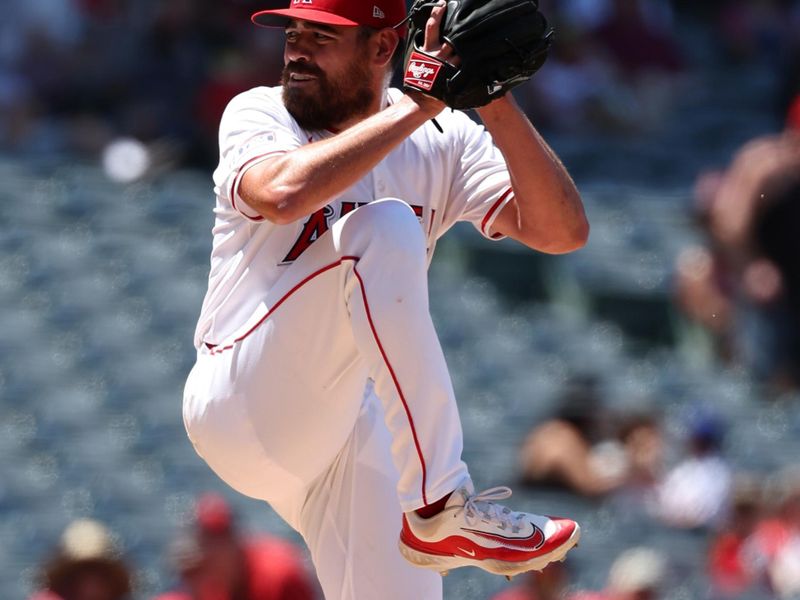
column 421, row 71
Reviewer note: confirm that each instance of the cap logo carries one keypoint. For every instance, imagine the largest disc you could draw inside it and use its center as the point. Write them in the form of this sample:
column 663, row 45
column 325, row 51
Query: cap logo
column 421, row 71
column 377, row 13
column 302, row 1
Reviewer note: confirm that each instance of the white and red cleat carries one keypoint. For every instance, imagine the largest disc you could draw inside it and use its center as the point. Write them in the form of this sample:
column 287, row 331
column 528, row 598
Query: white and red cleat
column 473, row 530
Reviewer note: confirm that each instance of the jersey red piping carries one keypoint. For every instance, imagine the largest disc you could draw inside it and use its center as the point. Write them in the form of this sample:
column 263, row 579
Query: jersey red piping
column 237, row 180
column 492, row 210
column 217, row 349
column 396, row 385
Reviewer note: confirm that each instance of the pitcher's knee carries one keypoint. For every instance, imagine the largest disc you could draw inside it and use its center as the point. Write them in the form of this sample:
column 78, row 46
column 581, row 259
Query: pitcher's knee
column 394, row 228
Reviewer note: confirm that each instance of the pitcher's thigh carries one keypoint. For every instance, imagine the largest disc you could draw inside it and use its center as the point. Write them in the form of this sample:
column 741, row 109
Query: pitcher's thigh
column 283, row 399
column 303, row 379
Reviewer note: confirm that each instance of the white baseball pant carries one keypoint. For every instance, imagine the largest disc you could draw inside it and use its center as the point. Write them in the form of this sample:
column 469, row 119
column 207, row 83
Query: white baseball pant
column 279, row 410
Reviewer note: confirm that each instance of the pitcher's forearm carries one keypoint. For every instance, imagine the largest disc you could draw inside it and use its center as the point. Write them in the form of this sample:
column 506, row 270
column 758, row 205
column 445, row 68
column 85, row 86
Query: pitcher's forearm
column 295, row 184
column 547, row 213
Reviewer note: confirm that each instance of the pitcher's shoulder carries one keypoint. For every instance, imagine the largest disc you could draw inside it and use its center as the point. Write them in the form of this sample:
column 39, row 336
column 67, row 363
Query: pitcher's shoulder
column 257, row 97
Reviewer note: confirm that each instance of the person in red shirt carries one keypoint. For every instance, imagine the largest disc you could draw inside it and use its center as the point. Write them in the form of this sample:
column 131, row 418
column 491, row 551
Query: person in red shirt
column 773, row 549
column 793, row 115
column 216, row 562
column 730, row 571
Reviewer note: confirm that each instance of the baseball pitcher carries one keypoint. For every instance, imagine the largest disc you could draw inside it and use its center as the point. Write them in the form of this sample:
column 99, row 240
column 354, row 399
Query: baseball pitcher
column 320, row 385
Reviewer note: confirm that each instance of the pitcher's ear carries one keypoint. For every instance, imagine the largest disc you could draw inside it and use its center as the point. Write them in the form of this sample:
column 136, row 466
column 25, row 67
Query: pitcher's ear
column 386, row 42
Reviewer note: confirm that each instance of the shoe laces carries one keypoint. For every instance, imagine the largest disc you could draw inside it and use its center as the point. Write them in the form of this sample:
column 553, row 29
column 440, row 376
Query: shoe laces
column 482, row 505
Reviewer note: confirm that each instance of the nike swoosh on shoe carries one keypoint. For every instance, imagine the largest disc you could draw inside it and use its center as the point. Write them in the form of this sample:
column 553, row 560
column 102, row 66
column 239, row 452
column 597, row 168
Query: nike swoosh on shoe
column 532, row 542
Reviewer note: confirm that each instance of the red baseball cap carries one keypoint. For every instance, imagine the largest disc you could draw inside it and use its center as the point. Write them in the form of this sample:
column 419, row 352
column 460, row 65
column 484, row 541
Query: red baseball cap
column 371, row 13
column 213, row 514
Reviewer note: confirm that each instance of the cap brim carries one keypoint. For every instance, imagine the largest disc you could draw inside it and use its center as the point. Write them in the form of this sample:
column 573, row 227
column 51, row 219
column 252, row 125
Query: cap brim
column 280, row 17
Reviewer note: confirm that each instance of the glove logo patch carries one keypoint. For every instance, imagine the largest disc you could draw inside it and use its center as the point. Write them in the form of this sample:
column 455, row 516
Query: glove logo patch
column 421, row 71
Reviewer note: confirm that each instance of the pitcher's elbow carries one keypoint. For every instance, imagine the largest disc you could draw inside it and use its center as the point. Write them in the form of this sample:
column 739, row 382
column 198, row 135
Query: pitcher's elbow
column 580, row 236
column 570, row 240
column 280, row 213
column 276, row 206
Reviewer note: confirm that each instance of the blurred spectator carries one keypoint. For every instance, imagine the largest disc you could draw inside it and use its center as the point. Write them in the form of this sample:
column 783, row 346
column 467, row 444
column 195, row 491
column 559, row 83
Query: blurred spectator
column 638, row 46
column 731, row 572
column 17, row 109
column 589, row 14
column 745, row 287
column 548, row 584
column 774, row 547
column 215, row 562
column 575, row 89
column 793, row 114
column 636, row 574
column 696, row 492
column 643, row 444
column 789, row 94
column 613, row 67
column 86, row 566
column 559, row 451
column 582, row 450
column 75, row 74
column 756, row 31
column 647, row 59
column 254, row 61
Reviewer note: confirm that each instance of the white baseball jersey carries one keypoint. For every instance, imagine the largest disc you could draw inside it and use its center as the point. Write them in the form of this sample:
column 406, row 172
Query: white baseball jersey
column 458, row 175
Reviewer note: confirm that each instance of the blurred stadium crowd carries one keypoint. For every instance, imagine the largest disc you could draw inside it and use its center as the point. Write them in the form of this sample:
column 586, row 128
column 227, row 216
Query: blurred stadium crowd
column 648, row 385
column 75, row 74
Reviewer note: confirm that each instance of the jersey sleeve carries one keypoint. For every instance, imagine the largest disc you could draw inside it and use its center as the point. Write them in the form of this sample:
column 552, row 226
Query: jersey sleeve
column 481, row 185
column 254, row 127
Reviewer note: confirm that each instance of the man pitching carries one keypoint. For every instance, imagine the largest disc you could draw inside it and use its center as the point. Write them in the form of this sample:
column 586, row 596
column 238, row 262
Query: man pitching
column 320, row 385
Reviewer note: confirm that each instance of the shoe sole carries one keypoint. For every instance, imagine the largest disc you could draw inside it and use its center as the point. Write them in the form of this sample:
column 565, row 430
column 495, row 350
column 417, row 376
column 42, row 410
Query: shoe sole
column 443, row 563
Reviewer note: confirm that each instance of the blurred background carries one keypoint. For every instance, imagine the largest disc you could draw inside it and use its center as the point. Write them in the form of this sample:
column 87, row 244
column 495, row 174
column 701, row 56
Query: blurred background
column 647, row 386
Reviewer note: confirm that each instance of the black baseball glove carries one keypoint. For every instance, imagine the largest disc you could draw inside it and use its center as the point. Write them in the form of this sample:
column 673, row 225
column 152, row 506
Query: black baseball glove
column 499, row 43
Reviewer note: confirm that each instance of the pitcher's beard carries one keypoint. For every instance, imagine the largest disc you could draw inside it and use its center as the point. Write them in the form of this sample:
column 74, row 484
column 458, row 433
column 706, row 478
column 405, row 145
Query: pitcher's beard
column 328, row 102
